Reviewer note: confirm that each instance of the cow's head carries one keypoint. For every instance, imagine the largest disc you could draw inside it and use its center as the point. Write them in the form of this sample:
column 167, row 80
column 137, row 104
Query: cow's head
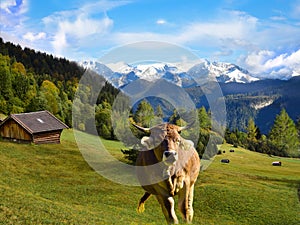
column 165, row 140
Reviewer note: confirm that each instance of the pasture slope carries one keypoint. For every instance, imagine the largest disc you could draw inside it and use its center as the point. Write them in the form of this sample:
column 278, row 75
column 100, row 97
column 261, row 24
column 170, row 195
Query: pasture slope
column 52, row 184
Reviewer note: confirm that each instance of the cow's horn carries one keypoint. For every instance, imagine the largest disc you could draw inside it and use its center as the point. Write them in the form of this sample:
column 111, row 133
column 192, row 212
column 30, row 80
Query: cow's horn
column 141, row 128
column 182, row 128
column 186, row 127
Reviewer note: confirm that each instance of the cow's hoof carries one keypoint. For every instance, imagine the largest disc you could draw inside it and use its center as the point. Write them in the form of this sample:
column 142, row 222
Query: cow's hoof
column 141, row 208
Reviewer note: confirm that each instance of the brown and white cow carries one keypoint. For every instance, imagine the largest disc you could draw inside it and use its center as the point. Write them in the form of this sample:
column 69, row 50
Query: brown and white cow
column 168, row 165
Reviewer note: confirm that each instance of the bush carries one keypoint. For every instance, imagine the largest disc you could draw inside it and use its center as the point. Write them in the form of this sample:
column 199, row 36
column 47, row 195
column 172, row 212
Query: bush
column 130, row 155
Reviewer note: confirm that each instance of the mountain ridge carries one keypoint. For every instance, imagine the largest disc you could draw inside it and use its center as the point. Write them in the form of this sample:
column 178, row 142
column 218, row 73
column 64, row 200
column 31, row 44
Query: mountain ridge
column 121, row 74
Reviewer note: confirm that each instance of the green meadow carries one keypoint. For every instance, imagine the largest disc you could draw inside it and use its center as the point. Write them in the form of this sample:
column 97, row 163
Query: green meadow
column 53, row 184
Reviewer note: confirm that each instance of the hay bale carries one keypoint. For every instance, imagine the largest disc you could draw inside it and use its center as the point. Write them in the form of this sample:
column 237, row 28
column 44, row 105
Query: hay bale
column 276, row 163
column 225, row 160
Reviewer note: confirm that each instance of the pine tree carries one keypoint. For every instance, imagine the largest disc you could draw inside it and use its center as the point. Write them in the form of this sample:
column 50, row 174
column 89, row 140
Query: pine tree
column 284, row 135
column 144, row 114
column 159, row 116
column 174, row 118
column 251, row 130
column 103, row 120
column 298, row 127
column 204, row 119
column 159, row 112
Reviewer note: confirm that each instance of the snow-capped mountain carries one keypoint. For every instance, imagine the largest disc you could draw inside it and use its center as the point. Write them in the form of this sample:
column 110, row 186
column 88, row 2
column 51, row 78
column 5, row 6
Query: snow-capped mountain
column 121, row 74
column 97, row 67
column 222, row 72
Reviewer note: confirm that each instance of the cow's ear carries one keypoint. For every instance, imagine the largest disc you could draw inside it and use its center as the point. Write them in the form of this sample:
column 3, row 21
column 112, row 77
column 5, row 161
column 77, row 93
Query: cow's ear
column 147, row 142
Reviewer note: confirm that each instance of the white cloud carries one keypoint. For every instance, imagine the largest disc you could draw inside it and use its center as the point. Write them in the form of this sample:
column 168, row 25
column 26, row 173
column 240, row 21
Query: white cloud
column 5, row 4
column 161, row 22
column 84, row 27
column 102, row 6
column 235, row 31
column 296, row 9
column 14, row 7
column 80, row 28
column 12, row 13
column 79, row 31
column 268, row 64
column 34, row 37
column 234, row 34
column 278, row 18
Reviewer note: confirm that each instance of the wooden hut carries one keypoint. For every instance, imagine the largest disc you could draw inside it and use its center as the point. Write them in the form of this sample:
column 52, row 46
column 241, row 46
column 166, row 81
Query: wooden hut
column 37, row 127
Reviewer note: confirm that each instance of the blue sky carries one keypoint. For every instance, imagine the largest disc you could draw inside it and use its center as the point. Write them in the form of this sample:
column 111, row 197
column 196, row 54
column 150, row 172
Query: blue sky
column 260, row 36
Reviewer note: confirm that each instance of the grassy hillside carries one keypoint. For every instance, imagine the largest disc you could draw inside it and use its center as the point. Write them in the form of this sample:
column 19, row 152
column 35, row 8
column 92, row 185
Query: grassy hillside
column 52, row 184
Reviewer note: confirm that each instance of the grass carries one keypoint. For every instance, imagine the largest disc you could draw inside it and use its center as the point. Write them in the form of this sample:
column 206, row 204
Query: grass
column 53, row 184
column 2, row 116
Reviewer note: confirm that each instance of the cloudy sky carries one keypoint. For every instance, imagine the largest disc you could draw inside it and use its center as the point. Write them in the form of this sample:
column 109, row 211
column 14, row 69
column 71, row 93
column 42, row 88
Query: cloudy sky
column 260, row 36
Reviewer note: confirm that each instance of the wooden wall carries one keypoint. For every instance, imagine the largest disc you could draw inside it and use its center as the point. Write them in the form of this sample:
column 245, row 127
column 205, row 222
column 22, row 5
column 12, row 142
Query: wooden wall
column 49, row 137
column 12, row 130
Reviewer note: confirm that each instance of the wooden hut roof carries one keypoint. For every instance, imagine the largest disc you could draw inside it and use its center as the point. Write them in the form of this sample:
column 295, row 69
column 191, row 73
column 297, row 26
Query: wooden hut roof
column 37, row 122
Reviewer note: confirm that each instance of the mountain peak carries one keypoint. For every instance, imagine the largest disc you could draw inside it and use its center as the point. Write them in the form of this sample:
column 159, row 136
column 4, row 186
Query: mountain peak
column 121, row 74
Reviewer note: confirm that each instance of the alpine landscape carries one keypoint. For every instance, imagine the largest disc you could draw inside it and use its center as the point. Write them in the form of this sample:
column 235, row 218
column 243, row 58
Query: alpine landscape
column 258, row 98
column 94, row 92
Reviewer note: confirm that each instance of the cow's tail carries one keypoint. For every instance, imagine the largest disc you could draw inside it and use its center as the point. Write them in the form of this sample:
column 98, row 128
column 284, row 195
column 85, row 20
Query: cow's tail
column 141, row 206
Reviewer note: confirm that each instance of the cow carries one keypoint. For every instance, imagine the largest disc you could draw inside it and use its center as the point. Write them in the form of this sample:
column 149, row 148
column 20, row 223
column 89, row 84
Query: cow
column 168, row 165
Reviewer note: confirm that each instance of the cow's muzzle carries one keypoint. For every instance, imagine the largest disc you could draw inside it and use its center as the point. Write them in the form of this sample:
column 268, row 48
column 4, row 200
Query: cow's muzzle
column 170, row 157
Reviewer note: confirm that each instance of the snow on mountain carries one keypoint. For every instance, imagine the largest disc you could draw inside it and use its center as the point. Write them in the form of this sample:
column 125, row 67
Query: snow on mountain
column 227, row 72
column 121, row 74
column 97, row 67
column 263, row 104
column 222, row 72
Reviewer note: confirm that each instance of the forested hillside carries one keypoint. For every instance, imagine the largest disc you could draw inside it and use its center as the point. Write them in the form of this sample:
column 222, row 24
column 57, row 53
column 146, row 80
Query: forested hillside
column 261, row 100
column 32, row 81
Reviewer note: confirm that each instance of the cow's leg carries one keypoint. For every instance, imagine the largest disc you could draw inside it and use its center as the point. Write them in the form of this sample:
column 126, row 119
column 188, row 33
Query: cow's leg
column 190, row 211
column 167, row 206
column 182, row 196
column 141, row 206
column 185, row 202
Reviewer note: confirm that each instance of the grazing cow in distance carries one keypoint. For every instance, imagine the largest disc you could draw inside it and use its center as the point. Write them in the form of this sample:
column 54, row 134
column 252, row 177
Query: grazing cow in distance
column 168, row 165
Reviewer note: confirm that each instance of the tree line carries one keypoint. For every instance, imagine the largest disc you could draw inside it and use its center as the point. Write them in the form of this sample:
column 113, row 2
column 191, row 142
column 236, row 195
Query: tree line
column 282, row 139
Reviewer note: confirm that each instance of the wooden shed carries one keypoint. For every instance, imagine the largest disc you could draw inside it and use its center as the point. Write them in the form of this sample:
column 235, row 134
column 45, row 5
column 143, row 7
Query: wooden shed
column 37, row 127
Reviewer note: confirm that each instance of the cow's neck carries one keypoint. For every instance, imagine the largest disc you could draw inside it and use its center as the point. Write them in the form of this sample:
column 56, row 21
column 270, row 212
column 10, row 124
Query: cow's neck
column 157, row 152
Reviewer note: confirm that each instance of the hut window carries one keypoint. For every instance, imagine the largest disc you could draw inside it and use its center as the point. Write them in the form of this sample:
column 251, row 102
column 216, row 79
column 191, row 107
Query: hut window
column 40, row 120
